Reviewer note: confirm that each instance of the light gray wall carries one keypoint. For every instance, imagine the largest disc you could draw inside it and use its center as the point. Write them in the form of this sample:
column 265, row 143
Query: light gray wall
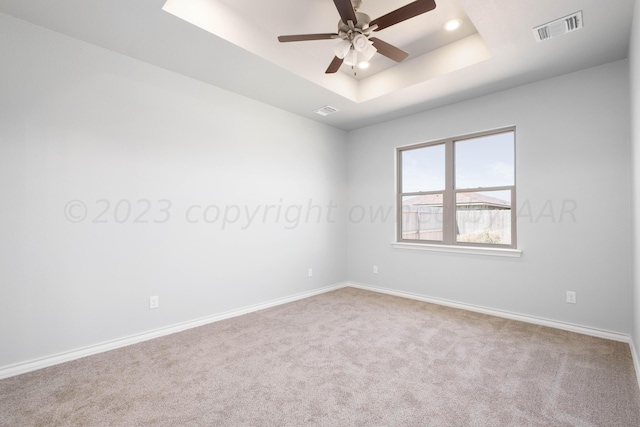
column 81, row 123
column 572, row 147
column 634, row 67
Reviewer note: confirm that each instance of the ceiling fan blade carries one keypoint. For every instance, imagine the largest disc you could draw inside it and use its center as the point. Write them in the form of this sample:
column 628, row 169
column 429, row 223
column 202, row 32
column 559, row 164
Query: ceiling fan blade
column 306, row 37
column 345, row 9
column 334, row 66
column 389, row 50
column 402, row 14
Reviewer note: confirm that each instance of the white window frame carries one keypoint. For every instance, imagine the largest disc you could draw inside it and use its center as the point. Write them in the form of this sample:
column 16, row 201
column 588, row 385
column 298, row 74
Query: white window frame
column 448, row 243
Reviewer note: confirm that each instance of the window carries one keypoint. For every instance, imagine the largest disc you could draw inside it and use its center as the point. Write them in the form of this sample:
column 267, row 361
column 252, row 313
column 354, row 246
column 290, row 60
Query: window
column 459, row 191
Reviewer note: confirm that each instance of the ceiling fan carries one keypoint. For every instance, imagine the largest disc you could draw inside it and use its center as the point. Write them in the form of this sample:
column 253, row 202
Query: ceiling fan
column 354, row 31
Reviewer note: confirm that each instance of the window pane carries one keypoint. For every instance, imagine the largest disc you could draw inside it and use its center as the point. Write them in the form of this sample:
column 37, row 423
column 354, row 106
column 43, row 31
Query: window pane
column 484, row 217
column 423, row 169
column 487, row 161
column 422, row 217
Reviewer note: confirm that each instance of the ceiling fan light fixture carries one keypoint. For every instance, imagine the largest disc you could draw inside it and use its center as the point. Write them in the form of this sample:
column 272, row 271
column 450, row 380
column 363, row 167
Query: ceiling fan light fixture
column 352, row 58
column 368, row 53
column 452, row 24
column 363, row 65
column 360, row 42
column 342, row 48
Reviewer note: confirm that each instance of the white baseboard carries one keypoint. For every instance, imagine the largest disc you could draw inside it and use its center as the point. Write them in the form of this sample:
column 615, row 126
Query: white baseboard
column 615, row 336
column 33, row 365
column 636, row 361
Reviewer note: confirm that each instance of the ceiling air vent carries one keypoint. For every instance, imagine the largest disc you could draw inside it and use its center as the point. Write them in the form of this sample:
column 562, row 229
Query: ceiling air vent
column 558, row 27
column 326, row 110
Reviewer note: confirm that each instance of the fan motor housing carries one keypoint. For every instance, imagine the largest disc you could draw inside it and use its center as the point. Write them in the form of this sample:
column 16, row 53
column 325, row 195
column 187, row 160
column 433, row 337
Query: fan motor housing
column 361, row 26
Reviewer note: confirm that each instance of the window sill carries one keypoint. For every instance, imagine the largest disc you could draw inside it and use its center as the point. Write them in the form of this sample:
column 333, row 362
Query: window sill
column 474, row 250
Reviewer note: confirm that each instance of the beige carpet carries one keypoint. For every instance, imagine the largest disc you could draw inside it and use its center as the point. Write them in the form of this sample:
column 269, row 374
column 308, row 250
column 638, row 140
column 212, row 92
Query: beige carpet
column 345, row 358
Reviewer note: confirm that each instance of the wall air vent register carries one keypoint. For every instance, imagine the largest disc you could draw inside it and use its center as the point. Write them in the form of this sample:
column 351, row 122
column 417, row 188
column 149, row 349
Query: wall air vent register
column 558, row 27
column 326, row 110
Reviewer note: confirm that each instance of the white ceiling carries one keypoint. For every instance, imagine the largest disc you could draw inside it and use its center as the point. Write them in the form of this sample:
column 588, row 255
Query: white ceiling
column 243, row 54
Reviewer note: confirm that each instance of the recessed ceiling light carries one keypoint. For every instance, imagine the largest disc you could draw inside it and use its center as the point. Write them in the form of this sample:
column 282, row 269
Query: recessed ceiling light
column 453, row 24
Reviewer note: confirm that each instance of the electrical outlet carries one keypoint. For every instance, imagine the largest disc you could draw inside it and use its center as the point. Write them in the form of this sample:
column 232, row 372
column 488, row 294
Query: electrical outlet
column 154, row 302
column 571, row 297
column 310, row 272
column 375, row 269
